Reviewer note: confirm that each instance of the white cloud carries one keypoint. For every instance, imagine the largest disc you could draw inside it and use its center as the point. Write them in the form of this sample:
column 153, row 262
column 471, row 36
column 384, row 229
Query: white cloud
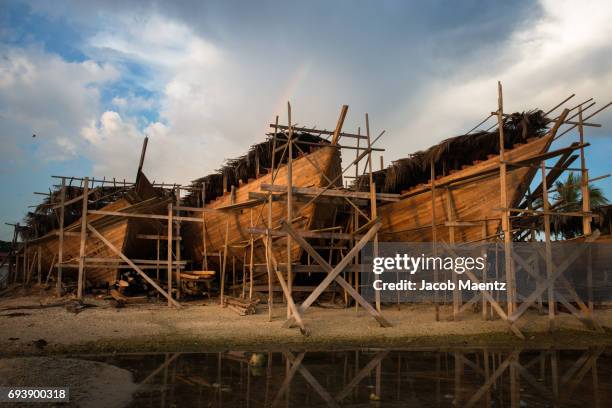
column 42, row 94
column 566, row 50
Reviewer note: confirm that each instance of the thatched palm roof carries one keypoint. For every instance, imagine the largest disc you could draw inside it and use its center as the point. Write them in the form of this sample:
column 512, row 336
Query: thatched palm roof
column 455, row 152
column 244, row 167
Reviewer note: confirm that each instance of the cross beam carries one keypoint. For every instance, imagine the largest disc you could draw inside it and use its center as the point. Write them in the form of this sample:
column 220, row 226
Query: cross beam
column 333, row 273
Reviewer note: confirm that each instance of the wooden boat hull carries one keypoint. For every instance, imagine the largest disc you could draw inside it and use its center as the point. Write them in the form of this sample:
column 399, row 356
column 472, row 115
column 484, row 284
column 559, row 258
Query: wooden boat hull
column 234, row 225
column 476, row 200
column 121, row 232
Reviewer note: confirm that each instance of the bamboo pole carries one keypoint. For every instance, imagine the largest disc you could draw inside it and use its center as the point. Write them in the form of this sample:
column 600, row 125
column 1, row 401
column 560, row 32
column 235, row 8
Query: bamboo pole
column 373, row 210
column 81, row 279
column 39, row 265
column 204, row 246
column 506, row 227
column 60, row 253
column 251, row 260
column 226, row 245
column 268, row 236
column 549, row 268
column 177, row 251
column 586, row 208
column 290, row 201
column 434, row 234
column 169, row 259
column 450, row 210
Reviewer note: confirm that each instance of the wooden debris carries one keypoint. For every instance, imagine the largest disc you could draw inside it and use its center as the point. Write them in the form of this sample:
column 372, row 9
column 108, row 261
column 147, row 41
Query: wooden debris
column 241, row 306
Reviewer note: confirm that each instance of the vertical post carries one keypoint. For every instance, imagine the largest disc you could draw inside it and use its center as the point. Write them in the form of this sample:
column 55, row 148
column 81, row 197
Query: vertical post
column 204, row 246
column 60, row 251
column 157, row 264
column 81, row 281
column 586, row 207
column 25, row 260
column 356, row 215
column 251, row 259
column 268, row 236
column 226, row 246
column 451, row 239
column 504, row 204
column 177, row 251
column 39, row 263
column 434, row 235
column 169, row 259
column 485, row 315
column 142, row 157
column 12, row 254
column 289, row 203
column 373, row 209
column 549, row 270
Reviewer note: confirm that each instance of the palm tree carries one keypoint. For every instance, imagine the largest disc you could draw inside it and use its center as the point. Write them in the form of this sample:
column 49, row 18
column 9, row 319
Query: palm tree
column 568, row 197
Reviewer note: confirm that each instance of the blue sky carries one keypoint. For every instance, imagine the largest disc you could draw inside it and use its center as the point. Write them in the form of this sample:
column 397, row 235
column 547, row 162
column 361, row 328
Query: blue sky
column 203, row 79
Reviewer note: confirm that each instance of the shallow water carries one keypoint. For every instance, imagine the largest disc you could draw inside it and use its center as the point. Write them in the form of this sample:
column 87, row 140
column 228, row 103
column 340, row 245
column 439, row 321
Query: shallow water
column 395, row 378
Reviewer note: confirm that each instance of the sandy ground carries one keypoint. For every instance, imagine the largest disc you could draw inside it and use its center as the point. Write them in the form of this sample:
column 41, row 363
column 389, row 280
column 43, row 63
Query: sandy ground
column 205, row 326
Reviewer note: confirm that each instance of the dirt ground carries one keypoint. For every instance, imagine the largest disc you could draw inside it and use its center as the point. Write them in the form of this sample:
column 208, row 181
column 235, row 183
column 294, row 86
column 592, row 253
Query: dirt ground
column 205, row 326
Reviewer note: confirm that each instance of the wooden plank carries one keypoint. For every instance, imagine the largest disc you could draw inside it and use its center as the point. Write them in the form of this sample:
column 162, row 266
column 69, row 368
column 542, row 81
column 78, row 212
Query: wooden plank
column 316, row 191
column 156, row 237
column 147, row 216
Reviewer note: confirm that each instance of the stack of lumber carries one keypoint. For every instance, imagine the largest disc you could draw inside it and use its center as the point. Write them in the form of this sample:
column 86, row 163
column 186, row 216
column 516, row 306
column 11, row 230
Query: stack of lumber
column 198, row 275
column 241, row 306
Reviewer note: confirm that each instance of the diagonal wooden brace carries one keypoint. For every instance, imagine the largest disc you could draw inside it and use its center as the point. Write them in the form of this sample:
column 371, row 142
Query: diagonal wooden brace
column 271, row 260
column 494, row 304
column 133, row 265
column 334, row 273
column 542, row 286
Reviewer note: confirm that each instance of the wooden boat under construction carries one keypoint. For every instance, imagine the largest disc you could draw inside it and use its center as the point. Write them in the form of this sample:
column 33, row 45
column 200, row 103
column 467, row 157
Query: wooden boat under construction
column 467, row 190
column 231, row 210
column 122, row 232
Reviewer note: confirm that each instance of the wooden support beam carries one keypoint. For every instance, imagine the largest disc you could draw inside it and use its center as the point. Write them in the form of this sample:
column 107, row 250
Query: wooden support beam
column 317, row 131
column 134, row 266
column 296, row 314
column 334, row 273
column 81, row 277
column 60, row 251
column 290, row 195
column 75, row 199
column 560, row 269
column 336, row 135
column 169, row 231
column 147, row 216
column 317, row 191
column 156, row 237
column 505, row 215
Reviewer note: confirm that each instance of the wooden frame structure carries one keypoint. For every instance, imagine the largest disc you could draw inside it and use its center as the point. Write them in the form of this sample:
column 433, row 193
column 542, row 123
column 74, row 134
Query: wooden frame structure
column 344, row 242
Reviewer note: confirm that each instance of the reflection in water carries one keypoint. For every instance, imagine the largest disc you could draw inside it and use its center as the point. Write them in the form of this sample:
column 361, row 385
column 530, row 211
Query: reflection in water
column 474, row 377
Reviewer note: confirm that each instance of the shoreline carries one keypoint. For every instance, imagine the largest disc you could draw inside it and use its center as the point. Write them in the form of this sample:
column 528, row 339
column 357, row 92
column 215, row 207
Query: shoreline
column 205, row 326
